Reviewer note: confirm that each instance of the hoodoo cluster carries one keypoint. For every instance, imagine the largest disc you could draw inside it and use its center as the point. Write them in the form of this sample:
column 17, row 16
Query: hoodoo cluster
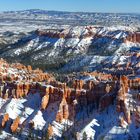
column 98, row 92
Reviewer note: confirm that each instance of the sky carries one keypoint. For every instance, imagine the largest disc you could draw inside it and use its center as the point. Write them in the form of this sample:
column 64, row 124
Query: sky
column 127, row 6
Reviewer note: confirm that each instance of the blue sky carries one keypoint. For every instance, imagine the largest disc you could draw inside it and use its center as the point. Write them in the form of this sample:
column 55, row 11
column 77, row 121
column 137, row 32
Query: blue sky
column 73, row 5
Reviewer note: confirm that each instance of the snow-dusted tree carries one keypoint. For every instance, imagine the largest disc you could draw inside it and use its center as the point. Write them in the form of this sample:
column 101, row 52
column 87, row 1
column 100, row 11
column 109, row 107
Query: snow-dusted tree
column 84, row 136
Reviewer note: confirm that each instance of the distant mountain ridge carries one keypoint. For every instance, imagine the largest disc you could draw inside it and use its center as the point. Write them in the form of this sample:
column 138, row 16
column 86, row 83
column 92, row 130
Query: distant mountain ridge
column 74, row 18
column 61, row 11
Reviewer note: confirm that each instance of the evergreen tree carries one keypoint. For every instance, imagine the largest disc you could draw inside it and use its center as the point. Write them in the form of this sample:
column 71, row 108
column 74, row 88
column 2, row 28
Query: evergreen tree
column 91, row 138
column 84, row 136
column 65, row 138
column 47, row 136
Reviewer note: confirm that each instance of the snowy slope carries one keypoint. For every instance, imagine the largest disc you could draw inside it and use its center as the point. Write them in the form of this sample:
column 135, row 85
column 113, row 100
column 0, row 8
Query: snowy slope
column 52, row 51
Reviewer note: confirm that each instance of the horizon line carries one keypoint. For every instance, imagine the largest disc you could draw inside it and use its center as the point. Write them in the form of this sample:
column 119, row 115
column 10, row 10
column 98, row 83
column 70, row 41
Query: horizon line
column 70, row 11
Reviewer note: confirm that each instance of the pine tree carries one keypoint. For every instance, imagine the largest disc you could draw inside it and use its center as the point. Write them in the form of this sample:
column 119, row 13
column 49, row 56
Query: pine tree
column 30, row 136
column 84, row 136
column 65, row 138
column 47, row 136
column 0, row 131
column 90, row 138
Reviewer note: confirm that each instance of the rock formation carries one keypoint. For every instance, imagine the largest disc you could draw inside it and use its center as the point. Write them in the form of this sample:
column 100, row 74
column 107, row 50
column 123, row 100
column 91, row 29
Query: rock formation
column 50, row 131
column 133, row 37
column 96, row 94
column 15, row 125
column 4, row 120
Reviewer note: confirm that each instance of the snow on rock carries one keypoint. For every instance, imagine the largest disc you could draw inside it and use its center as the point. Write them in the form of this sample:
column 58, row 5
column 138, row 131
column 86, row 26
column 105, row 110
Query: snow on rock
column 116, row 133
column 38, row 120
column 14, row 108
column 89, row 128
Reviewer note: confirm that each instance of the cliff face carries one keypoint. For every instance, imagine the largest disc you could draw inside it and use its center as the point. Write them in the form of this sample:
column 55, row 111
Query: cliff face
column 133, row 37
column 127, row 100
column 81, row 94
column 66, row 34
column 88, row 32
column 121, row 98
